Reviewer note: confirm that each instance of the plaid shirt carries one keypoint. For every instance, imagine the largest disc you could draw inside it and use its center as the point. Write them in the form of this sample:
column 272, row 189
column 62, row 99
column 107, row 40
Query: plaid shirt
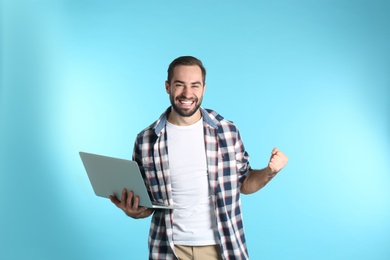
column 228, row 166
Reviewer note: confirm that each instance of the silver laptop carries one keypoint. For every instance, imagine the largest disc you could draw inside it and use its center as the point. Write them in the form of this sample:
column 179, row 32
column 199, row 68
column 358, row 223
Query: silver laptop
column 109, row 176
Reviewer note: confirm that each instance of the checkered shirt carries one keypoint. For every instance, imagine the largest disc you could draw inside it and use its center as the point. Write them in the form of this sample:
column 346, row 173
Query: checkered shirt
column 228, row 166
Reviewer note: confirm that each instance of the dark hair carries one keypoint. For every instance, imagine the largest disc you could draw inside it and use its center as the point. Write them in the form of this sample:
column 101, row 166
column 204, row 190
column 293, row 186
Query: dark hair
column 186, row 61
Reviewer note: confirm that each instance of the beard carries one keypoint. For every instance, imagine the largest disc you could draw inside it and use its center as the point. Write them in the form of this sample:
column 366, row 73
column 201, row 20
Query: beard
column 185, row 112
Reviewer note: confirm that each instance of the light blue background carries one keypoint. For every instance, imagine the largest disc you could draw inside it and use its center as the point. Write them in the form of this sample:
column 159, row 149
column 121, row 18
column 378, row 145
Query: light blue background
column 310, row 77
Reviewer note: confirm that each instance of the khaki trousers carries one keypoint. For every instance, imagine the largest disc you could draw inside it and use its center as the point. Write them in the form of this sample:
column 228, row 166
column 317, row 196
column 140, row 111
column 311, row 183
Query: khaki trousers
column 212, row 252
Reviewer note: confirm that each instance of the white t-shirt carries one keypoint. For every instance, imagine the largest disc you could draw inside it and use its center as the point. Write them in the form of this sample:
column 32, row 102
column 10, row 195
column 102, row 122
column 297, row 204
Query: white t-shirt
column 195, row 223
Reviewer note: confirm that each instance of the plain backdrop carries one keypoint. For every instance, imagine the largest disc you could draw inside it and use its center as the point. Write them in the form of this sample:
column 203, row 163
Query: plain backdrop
column 309, row 77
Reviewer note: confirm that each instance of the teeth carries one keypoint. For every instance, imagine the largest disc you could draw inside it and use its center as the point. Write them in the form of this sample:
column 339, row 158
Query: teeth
column 186, row 102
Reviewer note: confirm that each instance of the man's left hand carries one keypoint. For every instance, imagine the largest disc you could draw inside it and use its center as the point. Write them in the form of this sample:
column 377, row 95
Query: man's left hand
column 277, row 161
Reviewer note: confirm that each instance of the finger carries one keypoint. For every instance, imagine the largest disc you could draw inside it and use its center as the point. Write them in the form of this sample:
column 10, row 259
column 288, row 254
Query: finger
column 271, row 166
column 274, row 159
column 281, row 157
column 123, row 200
column 277, row 159
column 277, row 162
column 129, row 202
column 135, row 203
column 115, row 200
column 274, row 152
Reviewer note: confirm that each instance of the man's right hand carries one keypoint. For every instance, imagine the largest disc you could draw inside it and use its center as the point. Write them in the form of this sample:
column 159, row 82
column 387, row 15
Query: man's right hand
column 130, row 205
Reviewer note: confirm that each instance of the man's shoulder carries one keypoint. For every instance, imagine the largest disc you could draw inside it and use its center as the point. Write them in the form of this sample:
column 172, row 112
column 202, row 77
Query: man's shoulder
column 156, row 125
column 218, row 119
column 150, row 129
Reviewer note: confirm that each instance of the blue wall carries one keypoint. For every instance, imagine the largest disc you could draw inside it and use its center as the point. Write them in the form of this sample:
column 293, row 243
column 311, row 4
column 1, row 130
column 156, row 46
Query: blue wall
column 310, row 77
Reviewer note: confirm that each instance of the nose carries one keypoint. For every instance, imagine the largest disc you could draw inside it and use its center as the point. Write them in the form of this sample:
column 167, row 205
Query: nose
column 187, row 91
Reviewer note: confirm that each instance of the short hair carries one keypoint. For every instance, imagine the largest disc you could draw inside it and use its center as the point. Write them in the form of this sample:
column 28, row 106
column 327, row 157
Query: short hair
column 186, row 61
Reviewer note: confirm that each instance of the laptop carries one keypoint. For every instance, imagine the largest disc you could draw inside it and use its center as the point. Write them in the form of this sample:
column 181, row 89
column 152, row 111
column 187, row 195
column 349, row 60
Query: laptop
column 109, row 176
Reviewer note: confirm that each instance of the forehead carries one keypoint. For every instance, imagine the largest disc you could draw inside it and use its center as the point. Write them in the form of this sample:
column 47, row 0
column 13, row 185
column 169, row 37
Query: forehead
column 187, row 73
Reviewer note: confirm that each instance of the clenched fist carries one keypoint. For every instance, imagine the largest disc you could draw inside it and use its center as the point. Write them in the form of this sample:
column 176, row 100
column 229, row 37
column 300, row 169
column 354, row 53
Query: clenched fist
column 277, row 161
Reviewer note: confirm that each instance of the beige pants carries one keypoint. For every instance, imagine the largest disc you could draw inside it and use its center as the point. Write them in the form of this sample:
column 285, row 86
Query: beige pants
column 198, row 252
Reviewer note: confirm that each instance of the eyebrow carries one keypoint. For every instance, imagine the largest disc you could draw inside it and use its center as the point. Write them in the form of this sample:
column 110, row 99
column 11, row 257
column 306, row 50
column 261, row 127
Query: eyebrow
column 196, row 83
column 192, row 83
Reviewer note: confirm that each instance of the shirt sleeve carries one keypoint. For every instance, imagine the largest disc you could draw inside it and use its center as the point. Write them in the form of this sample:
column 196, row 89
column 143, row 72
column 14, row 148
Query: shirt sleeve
column 242, row 159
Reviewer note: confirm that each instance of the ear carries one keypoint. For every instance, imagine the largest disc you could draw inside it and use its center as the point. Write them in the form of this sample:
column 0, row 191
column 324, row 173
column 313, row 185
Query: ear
column 167, row 87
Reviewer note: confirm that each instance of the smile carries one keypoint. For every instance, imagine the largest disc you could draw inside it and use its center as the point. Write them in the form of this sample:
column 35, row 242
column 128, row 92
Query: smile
column 186, row 102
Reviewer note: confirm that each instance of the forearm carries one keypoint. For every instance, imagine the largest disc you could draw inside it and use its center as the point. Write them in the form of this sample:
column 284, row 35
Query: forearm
column 256, row 180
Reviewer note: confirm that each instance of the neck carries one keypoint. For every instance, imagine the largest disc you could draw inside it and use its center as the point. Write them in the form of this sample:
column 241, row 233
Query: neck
column 176, row 119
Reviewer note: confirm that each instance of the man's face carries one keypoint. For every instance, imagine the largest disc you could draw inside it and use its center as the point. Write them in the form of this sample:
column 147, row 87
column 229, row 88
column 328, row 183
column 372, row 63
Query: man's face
column 186, row 90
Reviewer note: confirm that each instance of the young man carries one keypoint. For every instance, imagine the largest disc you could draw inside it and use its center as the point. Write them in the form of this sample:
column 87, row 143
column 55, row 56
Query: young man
column 193, row 158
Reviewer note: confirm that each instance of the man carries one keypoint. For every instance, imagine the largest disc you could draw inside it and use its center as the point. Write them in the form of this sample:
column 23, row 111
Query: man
column 193, row 158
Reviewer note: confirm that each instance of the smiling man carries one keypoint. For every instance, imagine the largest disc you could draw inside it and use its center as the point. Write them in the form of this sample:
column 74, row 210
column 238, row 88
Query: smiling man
column 185, row 88
column 194, row 159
